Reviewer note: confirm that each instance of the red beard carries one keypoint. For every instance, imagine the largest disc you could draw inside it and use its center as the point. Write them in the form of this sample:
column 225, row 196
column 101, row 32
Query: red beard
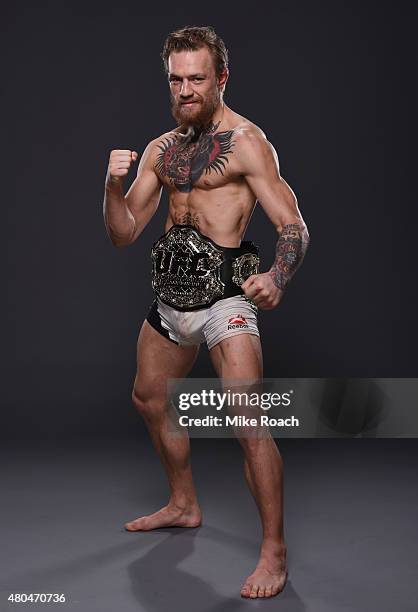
column 198, row 115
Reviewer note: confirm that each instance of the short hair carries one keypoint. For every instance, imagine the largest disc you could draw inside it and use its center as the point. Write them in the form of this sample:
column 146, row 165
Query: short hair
column 192, row 38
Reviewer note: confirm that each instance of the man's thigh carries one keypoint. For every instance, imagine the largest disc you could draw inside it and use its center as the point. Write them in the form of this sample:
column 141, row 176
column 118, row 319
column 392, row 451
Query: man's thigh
column 159, row 359
column 238, row 362
column 238, row 357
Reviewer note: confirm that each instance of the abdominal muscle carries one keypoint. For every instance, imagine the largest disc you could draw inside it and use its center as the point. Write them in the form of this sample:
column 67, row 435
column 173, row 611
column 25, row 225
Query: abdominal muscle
column 222, row 214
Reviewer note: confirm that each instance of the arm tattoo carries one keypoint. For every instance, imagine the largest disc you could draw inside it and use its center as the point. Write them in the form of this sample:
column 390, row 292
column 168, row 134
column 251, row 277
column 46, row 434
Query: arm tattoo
column 290, row 251
column 183, row 163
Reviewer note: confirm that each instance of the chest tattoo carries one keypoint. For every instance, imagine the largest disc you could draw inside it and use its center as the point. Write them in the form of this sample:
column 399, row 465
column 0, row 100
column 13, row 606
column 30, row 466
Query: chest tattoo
column 184, row 163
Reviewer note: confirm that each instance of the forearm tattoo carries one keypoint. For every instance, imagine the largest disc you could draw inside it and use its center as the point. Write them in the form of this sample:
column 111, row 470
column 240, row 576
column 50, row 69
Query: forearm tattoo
column 184, row 162
column 290, row 251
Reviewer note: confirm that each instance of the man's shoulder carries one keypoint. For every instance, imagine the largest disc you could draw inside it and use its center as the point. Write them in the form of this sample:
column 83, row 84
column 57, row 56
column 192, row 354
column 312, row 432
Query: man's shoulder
column 241, row 126
column 246, row 133
column 253, row 151
column 245, row 128
column 250, row 140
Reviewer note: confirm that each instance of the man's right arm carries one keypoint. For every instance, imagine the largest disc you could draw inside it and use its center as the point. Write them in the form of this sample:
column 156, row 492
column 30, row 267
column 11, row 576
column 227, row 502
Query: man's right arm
column 125, row 216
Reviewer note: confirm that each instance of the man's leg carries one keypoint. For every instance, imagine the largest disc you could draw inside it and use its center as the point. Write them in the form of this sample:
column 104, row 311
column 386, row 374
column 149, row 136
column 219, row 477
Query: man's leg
column 240, row 357
column 159, row 359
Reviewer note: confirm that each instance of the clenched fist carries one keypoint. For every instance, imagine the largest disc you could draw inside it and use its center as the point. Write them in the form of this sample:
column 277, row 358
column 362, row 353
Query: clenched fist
column 262, row 290
column 119, row 163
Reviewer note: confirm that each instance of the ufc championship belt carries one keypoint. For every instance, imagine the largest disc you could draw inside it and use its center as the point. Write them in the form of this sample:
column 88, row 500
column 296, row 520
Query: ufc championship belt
column 190, row 271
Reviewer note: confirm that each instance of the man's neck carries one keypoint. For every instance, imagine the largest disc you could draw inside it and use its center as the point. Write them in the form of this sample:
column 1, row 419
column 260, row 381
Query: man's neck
column 212, row 125
column 208, row 128
column 216, row 118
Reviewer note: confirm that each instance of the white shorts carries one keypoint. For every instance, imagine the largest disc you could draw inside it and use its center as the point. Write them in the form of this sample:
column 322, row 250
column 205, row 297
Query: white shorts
column 228, row 317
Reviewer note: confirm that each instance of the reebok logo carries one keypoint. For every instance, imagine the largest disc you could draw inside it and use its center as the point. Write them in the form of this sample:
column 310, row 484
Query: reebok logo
column 237, row 322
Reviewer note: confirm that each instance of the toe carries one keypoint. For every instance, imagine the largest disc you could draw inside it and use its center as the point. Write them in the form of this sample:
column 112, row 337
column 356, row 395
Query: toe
column 254, row 591
column 261, row 591
column 277, row 587
column 245, row 591
column 133, row 525
column 268, row 592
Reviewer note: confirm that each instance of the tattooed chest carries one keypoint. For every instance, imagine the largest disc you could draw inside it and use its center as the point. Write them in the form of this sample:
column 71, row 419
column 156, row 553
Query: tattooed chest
column 184, row 164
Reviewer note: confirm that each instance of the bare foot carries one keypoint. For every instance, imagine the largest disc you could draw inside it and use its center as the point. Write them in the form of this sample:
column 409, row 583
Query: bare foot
column 268, row 578
column 169, row 516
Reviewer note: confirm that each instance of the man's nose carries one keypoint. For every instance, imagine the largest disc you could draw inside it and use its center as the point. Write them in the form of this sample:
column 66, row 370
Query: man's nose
column 186, row 90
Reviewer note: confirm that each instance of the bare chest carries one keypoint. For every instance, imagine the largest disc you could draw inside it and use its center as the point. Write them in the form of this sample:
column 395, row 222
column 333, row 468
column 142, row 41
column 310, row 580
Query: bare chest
column 207, row 163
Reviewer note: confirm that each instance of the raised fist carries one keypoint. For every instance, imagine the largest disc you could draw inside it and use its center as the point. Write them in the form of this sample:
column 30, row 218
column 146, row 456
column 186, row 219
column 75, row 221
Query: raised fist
column 119, row 163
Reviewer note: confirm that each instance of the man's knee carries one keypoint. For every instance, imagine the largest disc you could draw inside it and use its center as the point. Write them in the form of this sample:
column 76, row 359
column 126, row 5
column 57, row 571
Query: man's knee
column 148, row 403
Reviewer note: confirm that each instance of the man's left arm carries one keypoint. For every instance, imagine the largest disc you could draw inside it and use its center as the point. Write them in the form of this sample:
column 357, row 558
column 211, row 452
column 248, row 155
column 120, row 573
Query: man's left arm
column 261, row 171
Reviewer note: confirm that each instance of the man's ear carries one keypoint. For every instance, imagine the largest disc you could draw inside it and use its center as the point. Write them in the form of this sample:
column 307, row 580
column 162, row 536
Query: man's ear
column 223, row 77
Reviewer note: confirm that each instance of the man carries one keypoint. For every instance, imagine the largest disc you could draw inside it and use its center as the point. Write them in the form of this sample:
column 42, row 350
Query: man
column 215, row 165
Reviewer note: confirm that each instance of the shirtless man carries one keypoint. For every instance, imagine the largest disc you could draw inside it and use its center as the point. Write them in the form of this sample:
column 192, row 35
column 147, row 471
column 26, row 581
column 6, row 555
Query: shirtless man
column 215, row 166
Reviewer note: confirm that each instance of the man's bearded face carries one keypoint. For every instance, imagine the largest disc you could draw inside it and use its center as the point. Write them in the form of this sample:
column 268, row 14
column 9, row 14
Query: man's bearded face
column 194, row 88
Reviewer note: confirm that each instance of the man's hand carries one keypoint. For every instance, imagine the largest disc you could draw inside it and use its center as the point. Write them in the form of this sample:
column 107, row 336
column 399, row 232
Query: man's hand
column 120, row 161
column 262, row 290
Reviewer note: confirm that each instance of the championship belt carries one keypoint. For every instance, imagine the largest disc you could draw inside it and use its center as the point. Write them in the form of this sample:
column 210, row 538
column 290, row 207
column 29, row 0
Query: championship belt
column 190, row 271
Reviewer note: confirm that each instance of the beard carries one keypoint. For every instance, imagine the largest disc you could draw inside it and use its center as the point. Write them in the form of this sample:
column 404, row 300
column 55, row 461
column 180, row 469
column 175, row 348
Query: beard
column 195, row 118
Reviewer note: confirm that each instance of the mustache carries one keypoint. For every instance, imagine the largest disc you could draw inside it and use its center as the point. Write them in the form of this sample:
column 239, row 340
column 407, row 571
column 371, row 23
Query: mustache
column 179, row 103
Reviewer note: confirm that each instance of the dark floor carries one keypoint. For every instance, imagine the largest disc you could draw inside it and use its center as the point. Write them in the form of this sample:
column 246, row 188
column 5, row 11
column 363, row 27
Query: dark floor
column 350, row 517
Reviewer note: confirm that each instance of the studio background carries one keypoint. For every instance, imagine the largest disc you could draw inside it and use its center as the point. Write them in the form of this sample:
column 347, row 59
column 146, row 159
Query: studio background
column 332, row 86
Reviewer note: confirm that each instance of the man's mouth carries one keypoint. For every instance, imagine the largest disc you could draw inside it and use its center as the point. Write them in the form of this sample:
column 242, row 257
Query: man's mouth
column 188, row 103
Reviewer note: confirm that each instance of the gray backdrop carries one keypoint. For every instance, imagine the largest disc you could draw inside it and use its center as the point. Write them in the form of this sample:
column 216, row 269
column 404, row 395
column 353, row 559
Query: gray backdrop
column 331, row 85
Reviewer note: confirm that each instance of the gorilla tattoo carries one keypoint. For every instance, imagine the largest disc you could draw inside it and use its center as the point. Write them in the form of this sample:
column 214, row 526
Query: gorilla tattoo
column 184, row 163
